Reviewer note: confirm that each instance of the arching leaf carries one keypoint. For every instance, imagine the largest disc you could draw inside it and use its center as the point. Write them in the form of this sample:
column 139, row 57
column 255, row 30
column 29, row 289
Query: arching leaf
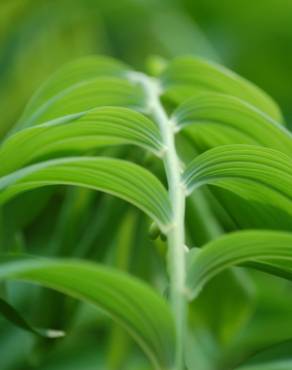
column 118, row 177
column 76, row 72
column 78, row 134
column 186, row 76
column 269, row 251
column 83, row 96
column 213, row 119
column 129, row 301
column 255, row 173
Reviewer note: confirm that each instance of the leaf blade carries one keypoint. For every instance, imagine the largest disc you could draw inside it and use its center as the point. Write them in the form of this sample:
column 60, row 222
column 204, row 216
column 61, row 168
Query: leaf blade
column 242, row 247
column 212, row 119
column 126, row 180
column 131, row 302
column 84, row 69
column 84, row 96
column 186, row 76
column 253, row 172
column 79, row 134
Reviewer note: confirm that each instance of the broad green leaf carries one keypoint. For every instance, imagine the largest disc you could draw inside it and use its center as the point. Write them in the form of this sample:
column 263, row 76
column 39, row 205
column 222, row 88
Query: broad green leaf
column 126, row 299
column 187, row 76
column 213, row 119
column 257, row 248
column 124, row 179
column 81, row 97
column 78, row 134
column 254, row 173
column 11, row 314
column 76, row 72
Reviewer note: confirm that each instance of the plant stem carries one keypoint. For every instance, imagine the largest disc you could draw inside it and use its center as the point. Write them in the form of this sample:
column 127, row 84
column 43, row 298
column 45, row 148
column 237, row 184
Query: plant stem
column 175, row 234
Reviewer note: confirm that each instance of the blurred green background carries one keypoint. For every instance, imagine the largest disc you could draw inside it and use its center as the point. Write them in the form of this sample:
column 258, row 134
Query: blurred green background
column 253, row 38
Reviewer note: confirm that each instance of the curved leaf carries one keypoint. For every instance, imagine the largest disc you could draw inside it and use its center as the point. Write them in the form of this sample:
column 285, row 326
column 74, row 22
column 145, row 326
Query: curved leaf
column 187, row 76
column 129, row 301
column 83, row 96
column 254, row 173
column 261, row 248
column 214, row 119
column 78, row 134
column 82, row 70
column 118, row 177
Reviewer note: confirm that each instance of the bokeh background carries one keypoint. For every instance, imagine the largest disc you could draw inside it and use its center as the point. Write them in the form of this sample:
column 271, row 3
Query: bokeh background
column 254, row 38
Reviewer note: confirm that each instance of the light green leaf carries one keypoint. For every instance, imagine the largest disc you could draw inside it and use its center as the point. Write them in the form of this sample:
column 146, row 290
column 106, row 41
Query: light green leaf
column 214, row 119
column 83, row 96
column 71, row 74
column 254, row 173
column 126, row 180
column 260, row 248
column 126, row 299
column 80, row 133
column 187, row 76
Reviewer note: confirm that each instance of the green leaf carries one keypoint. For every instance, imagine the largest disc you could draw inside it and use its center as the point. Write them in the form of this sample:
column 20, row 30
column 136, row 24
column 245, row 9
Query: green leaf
column 11, row 314
column 81, row 97
column 259, row 249
column 126, row 299
column 254, row 173
column 213, row 119
column 78, row 134
column 186, row 76
column 118, row 177
column 72, row 74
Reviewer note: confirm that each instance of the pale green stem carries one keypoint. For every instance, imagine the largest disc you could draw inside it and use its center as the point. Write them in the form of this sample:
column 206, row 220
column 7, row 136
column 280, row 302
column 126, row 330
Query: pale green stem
column 175, row 234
